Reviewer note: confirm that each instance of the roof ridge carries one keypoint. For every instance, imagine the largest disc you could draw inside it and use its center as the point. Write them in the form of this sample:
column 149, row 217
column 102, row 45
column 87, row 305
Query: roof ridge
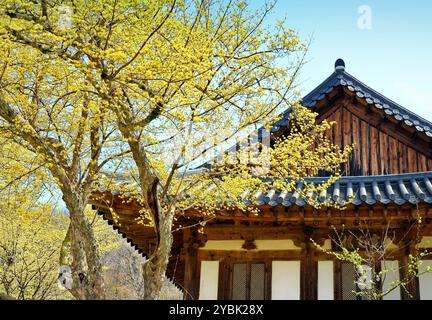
column 373, row 97
column 317, row 88
column 386, row 98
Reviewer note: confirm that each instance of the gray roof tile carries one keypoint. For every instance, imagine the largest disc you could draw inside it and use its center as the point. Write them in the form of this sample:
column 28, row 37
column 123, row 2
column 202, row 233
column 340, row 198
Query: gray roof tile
column 399, row 189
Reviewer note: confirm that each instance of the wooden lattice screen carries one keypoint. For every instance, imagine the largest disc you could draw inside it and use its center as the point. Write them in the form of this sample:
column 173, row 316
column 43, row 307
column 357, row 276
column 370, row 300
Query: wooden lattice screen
column 248, row 281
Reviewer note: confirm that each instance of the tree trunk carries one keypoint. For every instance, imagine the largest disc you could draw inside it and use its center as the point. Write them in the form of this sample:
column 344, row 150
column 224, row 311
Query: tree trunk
column 86, row 268
column 154, row 269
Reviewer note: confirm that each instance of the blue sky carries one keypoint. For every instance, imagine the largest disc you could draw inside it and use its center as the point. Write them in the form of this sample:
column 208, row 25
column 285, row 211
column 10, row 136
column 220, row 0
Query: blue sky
column 393, row 57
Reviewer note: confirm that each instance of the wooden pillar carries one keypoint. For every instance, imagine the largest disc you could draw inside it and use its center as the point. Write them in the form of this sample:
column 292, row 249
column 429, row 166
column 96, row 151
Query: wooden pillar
column 413, row 286
column 309, row 267
column 407, row 237
column 192, row 242
column 310, row 274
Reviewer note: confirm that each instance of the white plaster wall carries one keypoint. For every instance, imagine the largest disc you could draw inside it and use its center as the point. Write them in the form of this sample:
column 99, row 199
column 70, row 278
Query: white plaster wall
column 425, row 281
column 426, row 242
column 209, row 280
column 325, row 280
column 223, row 245
column 235, row 245
column 276, row 245
column 285, row 280
column 392, row 275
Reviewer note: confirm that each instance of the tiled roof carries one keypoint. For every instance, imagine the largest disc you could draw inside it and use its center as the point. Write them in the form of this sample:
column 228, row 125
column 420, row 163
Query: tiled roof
column 399, row 189
column 340, row 78
column 413, row 188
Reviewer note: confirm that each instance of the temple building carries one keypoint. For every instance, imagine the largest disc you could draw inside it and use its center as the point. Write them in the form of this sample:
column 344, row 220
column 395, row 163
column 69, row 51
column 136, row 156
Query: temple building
column 388, row 180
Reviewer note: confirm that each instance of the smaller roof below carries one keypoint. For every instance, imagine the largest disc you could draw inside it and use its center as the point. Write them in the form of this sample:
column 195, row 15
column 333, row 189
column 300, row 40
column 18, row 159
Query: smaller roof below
column 399, row 189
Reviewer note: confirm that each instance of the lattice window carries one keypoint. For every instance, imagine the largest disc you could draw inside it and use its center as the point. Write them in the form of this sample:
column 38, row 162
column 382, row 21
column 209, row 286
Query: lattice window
column 352, row 281
column 348, row 278
column 239, row 284
column 248, row 281
column 257, row 281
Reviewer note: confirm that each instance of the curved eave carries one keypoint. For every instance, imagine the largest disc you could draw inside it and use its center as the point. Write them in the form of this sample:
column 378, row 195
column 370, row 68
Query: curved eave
column 398, row 189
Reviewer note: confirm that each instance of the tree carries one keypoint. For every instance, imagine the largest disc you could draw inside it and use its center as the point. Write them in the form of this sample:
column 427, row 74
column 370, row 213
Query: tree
column 30, row 232
column 46, row 108
column 32, row 227
column 30, row 240
column 31, row 235
column 168, row 75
